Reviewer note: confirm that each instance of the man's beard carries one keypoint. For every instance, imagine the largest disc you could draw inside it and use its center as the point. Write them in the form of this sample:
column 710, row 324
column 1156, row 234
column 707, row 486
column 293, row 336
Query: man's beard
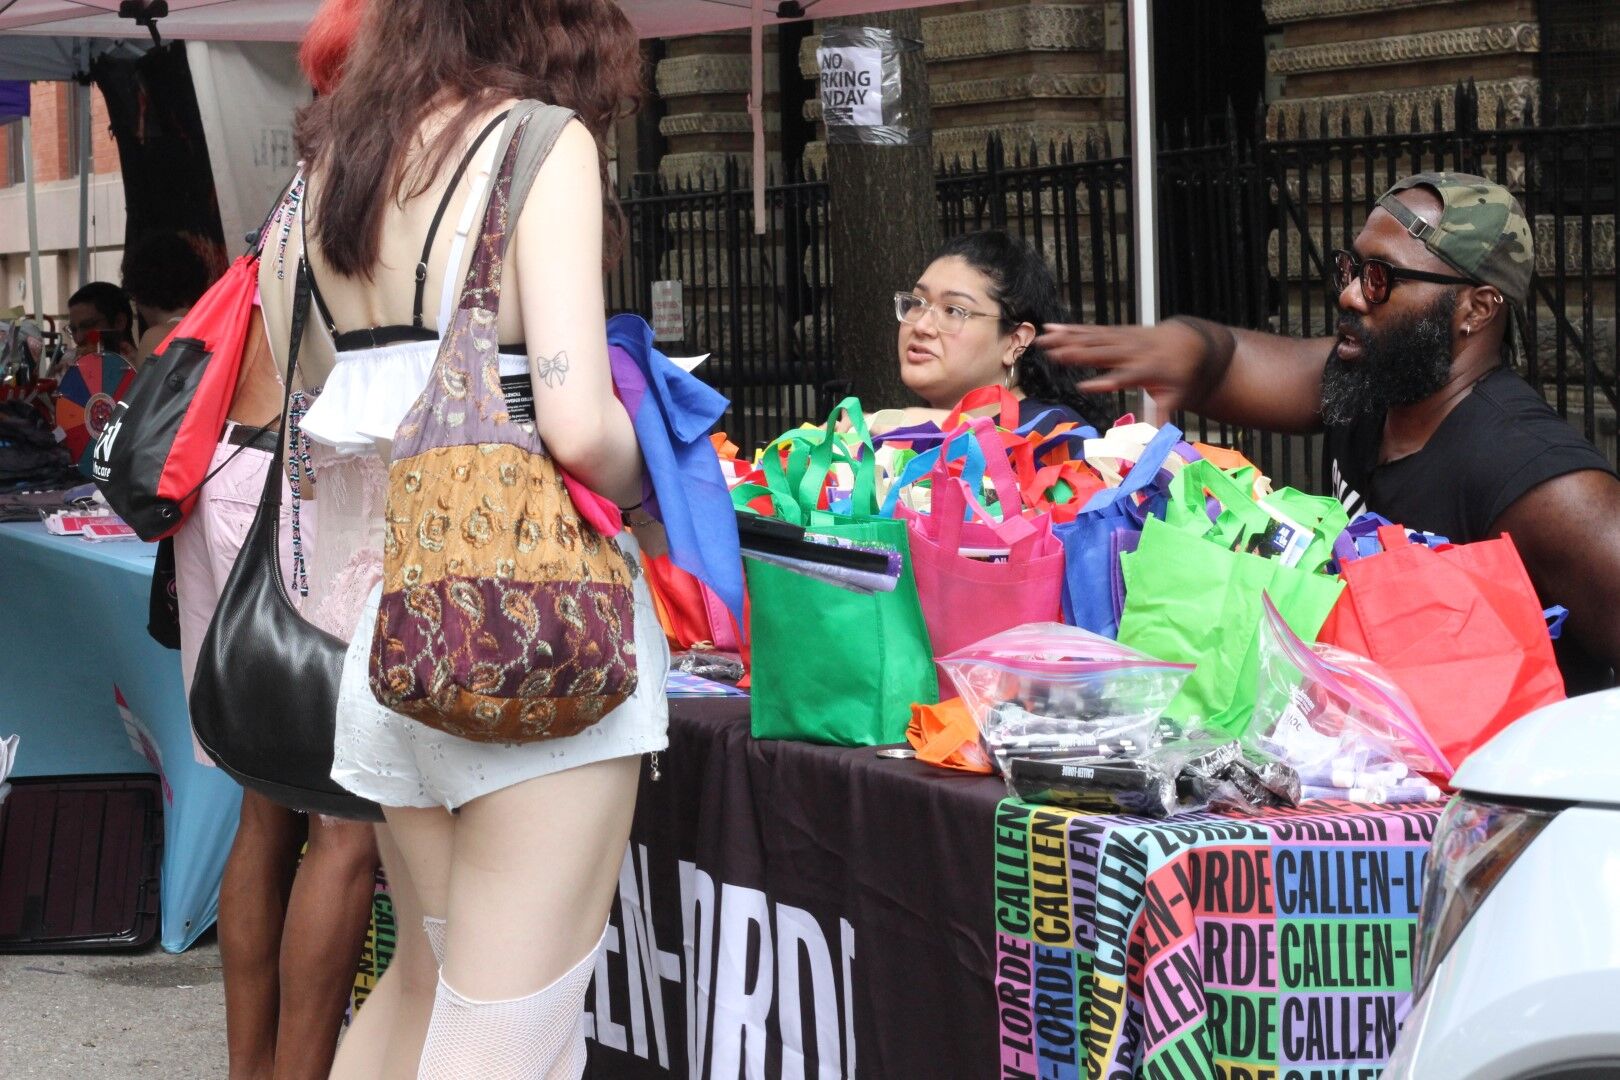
column 1400, row 365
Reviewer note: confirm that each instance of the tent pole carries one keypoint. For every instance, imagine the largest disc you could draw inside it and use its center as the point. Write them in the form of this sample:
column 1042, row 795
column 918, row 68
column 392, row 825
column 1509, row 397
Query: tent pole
column 86, row 167
column 1144, row 173
column 756, row 107
column 33, row 219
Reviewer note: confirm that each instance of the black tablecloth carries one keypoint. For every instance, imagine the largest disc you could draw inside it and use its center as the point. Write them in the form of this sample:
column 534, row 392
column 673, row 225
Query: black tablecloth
column 784, row 903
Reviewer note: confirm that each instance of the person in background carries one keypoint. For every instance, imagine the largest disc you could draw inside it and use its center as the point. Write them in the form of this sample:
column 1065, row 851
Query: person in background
column 970, row 321
column 1426, row 421
column 100, row 312
column 296, row 897
column 164, row 274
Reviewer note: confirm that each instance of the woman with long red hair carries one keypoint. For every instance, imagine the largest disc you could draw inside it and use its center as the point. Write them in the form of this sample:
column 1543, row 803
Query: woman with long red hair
column 503, row 859
column 327, row 43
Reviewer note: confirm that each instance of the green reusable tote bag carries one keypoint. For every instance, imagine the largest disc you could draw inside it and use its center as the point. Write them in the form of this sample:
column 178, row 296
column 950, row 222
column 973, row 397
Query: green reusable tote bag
column 1193, row 601
column 1242, row 517
column 831, row 665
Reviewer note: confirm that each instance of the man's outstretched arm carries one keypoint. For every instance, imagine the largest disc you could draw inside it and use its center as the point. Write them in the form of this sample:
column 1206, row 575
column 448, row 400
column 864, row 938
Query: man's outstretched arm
column 1226, row 374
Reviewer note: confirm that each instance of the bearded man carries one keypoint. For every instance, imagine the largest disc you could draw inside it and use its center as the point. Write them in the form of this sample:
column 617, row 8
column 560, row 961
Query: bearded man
column 1426, row 423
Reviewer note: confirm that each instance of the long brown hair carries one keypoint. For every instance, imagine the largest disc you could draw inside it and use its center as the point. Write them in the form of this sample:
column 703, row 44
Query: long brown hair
column 409, row 55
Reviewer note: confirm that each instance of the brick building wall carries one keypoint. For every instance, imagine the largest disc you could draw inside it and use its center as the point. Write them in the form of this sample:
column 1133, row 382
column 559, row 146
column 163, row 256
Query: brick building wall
column 57, row 201
column 51, row 105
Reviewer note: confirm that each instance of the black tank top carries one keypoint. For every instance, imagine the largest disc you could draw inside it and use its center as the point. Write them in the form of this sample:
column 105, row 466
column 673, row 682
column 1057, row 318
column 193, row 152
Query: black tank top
column 1500, row 441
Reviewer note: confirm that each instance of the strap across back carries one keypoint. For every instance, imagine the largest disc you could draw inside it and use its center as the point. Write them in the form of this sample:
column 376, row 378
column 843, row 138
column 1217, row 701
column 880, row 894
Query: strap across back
column 378, row 336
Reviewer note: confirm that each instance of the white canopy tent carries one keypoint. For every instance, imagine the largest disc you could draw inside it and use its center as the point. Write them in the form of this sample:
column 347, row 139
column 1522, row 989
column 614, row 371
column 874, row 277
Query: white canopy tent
column 284, row 20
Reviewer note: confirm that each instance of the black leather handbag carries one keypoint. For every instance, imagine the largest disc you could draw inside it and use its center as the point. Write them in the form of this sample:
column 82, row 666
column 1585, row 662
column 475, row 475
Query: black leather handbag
column 264, row 698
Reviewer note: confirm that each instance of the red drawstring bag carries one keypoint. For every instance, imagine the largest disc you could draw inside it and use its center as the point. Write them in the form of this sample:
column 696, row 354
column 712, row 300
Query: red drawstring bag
column 1459, row 628
column 154, row 453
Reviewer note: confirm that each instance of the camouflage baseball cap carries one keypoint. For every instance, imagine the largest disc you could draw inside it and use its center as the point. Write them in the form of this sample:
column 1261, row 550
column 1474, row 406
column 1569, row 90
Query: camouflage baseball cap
column 1483, row 233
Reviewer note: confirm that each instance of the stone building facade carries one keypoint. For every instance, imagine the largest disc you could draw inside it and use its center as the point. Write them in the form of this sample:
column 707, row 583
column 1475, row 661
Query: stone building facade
column 1033, row 72
column 1351, row 58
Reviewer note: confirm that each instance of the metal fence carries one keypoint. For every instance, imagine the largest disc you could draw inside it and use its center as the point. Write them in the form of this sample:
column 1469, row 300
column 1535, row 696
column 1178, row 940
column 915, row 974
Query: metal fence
column 1245, row 223
column 756, row 303
column 1248, row 227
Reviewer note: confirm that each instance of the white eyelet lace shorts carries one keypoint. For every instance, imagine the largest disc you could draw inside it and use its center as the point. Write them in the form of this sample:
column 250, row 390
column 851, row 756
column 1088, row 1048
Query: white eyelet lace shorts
column 396, row 761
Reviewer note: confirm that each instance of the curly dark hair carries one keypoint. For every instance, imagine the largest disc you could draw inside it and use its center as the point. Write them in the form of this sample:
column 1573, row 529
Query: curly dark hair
column 165, row 271
column 1026, row 290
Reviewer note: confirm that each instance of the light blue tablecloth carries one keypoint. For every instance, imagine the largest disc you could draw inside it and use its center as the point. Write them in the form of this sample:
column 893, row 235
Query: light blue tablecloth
column 72, row 638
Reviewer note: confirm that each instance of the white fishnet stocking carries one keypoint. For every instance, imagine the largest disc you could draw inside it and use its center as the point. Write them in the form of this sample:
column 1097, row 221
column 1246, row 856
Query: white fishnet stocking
column 437, row 930
column 539, row 1037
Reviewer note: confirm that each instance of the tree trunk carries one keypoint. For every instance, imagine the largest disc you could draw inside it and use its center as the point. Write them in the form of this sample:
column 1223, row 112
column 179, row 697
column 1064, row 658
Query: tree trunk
column 884, row 227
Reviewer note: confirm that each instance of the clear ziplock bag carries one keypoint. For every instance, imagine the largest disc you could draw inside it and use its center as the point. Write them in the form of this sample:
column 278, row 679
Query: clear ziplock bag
column 1341, row 722
column 1046, row 690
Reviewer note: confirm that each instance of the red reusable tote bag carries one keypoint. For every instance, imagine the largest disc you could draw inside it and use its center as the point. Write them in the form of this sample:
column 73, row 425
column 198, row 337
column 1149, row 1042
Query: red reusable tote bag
column 692, row 615
column 1458, row 627
column 966, row 599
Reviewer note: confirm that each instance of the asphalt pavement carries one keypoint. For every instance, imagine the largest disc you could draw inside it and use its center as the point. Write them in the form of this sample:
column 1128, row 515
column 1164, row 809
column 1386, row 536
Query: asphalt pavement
column 92, row 1015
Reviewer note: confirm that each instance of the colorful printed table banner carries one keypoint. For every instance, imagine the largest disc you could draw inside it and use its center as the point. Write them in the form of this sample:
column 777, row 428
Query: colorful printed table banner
column 1208, row 948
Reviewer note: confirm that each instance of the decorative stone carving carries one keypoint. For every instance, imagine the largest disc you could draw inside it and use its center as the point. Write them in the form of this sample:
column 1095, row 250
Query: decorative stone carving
column 1547, row 356
column 1010, row 88
column 685, row 76
column 1025, row 87
column 762, row 324
column 1290, row 117
column 1408, row 48
column 708, row 167
column 714, row 123
column 1359, row 192
column 712, row 219
column 1286, row 11
column 1029, row 28
column 973, row 34
column 1604, row 37
column 1602, row 246
column 805, row 333
column 815, row 158
column 807, row 56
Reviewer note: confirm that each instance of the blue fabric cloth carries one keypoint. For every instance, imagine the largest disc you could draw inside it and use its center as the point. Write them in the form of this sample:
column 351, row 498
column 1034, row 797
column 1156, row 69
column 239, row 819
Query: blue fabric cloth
column 76, row 640
column 673, row 417
column 1089, row 547
column 13, row 101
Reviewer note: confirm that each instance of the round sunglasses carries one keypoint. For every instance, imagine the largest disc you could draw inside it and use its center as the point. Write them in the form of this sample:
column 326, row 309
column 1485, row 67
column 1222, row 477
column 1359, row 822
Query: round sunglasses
column 1379, row 276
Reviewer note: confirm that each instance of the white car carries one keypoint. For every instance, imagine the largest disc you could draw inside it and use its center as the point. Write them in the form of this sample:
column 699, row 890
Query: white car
column 1518, row 972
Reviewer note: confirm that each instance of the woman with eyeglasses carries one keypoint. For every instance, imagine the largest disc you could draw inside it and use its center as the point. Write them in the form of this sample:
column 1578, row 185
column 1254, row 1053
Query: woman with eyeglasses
column 969, row 321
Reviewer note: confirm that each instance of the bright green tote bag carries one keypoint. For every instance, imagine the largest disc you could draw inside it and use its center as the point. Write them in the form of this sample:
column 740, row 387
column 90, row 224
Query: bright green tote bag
column 1192, row 601
column 830, row 665
column 1242, row 518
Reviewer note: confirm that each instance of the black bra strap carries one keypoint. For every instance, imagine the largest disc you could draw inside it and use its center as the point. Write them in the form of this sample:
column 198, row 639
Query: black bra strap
column 438, row 215
column 377, row 336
